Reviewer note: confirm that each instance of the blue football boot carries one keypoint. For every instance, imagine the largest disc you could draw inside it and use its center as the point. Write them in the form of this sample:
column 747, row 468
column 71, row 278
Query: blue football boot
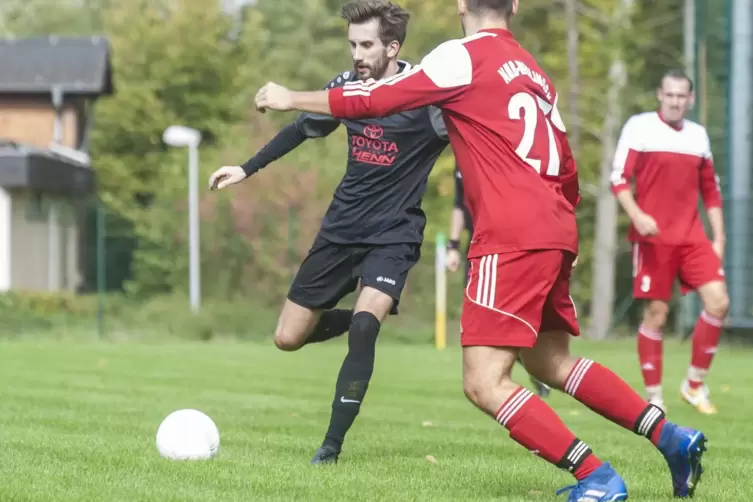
column 683, row 449
column 602, row 485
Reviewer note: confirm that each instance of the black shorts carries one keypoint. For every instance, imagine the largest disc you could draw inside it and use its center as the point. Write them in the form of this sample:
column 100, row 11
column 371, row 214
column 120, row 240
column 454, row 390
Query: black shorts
column 331, row 271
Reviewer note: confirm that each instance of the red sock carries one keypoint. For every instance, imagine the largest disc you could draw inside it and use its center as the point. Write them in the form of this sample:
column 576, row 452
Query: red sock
column 650, row 355
column 706, row 336
column 608, row 395
column 533, row 424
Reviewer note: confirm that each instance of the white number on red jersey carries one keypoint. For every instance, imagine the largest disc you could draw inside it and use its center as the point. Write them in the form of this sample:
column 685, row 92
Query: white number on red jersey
column 527, row 103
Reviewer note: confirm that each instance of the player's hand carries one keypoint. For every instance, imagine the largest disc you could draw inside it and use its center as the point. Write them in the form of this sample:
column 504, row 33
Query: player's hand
column 645, row 224
column 718, row 246
column 226, row 176
column 274, row 97
column 575, row 262
column 453, row 260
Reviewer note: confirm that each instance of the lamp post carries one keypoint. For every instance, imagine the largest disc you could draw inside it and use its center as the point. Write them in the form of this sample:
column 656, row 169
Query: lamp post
column 186, row 137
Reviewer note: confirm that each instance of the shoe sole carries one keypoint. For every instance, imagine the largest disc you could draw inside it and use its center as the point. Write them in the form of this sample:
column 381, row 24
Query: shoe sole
column 324, row 461
column 687, row 401
column 696, row 448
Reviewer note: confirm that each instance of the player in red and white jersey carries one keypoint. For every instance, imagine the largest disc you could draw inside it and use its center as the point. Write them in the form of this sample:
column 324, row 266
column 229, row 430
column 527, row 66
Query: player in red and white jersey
column 669, row 158
column 521, row 186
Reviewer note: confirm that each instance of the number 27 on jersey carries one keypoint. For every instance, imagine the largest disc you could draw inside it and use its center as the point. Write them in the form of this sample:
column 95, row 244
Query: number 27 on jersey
column 525, row 107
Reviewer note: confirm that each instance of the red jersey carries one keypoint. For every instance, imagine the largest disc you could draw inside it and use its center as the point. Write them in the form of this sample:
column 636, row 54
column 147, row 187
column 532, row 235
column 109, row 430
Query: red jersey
column 671, row 168
column 500, row 109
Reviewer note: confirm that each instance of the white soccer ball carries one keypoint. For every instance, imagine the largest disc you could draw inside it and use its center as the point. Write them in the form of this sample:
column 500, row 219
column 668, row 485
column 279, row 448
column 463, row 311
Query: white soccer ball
column 188, row 435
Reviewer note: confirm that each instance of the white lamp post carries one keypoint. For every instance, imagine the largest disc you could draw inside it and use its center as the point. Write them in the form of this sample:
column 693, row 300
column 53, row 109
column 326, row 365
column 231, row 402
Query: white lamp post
column 180, row 136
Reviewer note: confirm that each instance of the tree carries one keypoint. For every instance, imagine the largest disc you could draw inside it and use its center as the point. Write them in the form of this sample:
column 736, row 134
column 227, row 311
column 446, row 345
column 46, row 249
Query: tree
column 571, row 18
column 176, row 65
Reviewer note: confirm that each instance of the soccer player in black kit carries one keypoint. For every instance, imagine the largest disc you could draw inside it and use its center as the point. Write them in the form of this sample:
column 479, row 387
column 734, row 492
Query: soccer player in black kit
column 373, row 229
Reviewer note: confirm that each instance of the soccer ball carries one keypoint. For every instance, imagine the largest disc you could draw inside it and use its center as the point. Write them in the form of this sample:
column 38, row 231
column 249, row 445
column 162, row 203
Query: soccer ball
column 188, row 435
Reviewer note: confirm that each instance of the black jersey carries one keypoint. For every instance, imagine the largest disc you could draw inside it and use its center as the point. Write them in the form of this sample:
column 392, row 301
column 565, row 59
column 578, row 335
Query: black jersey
column 378, row 200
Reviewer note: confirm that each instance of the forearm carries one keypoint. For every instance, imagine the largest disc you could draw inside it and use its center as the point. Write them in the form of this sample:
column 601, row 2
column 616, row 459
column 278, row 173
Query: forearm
column 285, row 141
column 627, row 201
column 716, row 220
column 457, row 224
column 314, row 102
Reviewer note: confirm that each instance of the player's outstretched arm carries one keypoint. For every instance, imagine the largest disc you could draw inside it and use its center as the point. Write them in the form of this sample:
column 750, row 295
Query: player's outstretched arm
column 442, row 76
column 307, row 125
column 285, row 141
column 276, row 97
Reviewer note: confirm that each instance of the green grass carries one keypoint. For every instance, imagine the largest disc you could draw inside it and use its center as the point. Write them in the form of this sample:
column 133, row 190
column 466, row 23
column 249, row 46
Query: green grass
column 77, row 423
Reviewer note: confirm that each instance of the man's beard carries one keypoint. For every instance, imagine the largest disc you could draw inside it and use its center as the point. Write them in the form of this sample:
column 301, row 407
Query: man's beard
column 375, row 70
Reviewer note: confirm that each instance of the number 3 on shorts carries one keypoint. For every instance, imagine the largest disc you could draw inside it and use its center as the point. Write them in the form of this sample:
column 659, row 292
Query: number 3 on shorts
column 527, row 103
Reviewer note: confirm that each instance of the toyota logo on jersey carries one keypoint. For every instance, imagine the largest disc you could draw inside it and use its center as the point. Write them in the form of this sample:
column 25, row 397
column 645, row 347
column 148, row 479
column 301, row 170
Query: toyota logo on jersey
column 373, row 131
column 372, row 148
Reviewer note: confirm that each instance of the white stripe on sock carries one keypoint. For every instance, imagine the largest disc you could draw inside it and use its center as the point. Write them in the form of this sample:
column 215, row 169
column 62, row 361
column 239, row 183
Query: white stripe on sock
column 513, row 406
column 651, row 417
column 576, row 376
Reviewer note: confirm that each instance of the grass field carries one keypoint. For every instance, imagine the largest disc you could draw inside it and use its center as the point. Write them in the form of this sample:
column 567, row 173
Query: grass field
column 77, row 423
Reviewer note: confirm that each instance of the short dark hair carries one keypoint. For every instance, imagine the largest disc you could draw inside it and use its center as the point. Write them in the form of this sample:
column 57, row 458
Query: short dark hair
column 678, row 74
column 501, row 8
column 393, row 19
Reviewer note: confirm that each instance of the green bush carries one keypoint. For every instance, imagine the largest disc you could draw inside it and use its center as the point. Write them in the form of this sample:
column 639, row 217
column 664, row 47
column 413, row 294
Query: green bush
column 69, row 316
column 39, row 313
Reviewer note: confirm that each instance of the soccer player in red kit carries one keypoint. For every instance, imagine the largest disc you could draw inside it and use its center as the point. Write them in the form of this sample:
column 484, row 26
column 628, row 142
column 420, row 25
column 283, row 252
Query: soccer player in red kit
column 670, row 160
column 521, row 186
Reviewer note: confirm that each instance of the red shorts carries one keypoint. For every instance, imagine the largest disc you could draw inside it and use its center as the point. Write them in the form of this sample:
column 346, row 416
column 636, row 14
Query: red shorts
column 656, row 266
column 511, row 297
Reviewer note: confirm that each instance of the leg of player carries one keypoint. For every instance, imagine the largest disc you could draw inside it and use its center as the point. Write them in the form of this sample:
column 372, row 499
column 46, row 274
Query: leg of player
column 309, row 315
column 298, row 326
column 372, row 307
column 532, row 423
column 502, row 312
column 655, row 269
column 607, row 394
column 651, row 350
column 542, row 389
column 706, row 336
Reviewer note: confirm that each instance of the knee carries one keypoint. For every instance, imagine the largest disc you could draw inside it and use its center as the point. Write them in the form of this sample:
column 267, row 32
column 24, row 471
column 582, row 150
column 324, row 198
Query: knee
column 287, row 339
column 655, row 315
column 487, row 394
column 554, row 371
column 474, row 391
column 717, row 304
column 364, row 329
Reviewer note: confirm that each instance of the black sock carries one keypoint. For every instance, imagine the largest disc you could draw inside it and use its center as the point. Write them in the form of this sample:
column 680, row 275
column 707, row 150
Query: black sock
column 331, row 324
column 354, row 377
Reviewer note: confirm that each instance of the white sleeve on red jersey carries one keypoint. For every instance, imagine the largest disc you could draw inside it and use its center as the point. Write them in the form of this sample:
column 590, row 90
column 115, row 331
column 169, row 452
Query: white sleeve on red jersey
column 627, row 155
column 442, row 76
column 711, row 192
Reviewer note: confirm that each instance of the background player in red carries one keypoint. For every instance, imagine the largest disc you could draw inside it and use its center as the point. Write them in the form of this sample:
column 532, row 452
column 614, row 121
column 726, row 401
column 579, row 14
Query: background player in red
column 670, row 160
column 521, row 186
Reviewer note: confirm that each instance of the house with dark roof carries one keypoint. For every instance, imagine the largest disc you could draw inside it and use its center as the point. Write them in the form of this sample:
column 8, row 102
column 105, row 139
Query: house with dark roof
column 48, row 90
